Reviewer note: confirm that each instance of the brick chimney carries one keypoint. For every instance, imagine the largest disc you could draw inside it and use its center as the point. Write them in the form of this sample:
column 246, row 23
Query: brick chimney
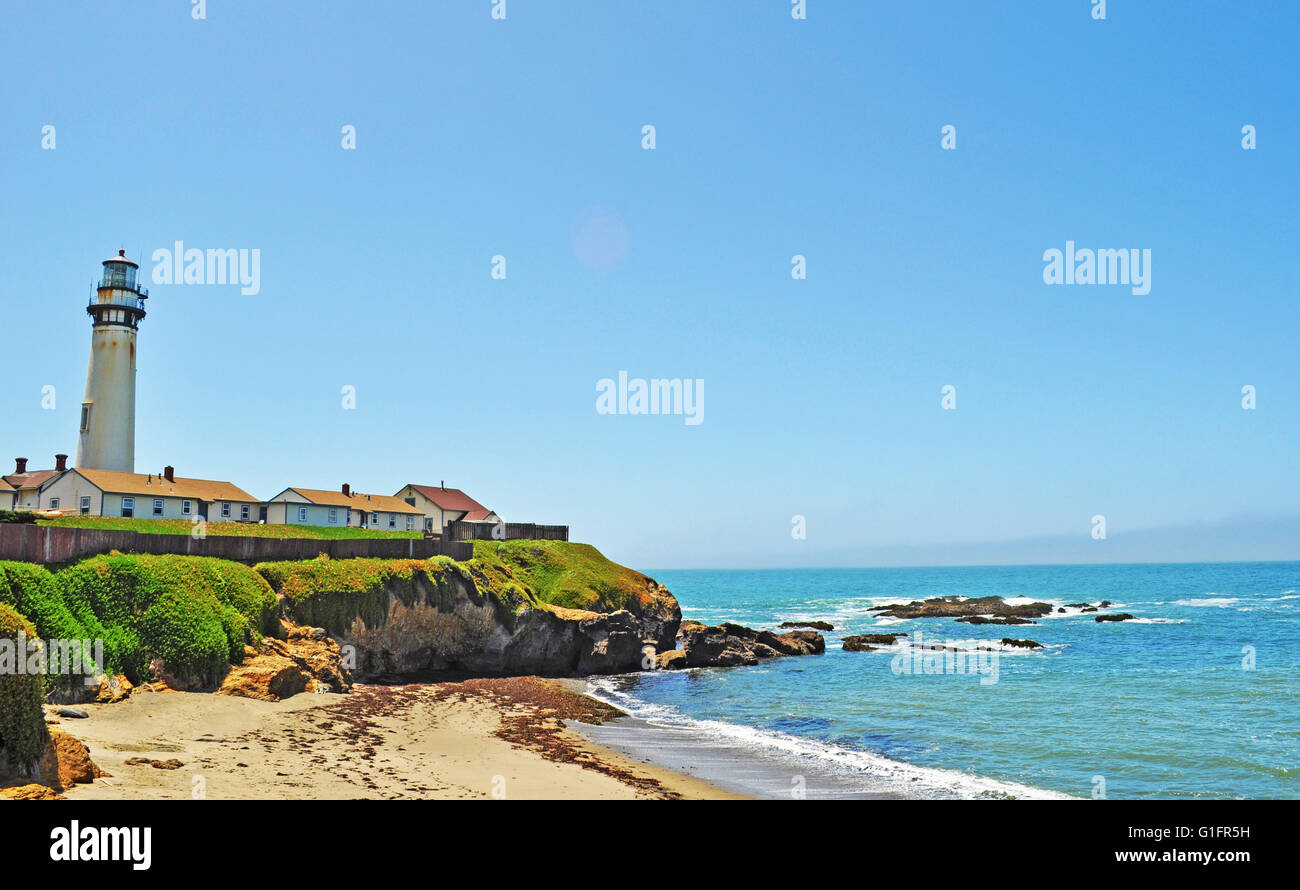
column 60, row 462
column 347, row 490
column 20, row 465
column 169, row 473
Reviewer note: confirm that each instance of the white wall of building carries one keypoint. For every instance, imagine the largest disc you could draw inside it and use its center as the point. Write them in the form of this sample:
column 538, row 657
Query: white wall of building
column 67, row 492
column 107, row 441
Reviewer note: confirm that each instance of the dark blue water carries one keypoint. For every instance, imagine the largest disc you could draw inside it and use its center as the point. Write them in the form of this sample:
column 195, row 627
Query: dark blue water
column 1167, row 706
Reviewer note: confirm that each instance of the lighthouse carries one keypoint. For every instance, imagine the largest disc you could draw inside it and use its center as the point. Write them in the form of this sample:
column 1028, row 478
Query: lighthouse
column 107, row 437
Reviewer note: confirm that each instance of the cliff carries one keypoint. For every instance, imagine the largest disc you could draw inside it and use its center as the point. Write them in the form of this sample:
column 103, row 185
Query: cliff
column 518, row 607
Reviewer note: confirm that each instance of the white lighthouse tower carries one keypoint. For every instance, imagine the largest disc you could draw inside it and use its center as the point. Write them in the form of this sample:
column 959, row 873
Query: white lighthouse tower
column 107, row 439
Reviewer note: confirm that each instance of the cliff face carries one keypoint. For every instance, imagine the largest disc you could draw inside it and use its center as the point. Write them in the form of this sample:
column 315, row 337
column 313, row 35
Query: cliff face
column 517, row 608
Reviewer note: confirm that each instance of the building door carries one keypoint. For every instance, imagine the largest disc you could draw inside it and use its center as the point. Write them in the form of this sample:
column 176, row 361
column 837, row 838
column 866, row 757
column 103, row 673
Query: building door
column 203, row 510
column 261, row 514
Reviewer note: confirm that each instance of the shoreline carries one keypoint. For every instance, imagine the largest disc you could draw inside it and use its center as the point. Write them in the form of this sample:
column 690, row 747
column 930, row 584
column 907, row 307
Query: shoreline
column 496, row 738
column 768, row 765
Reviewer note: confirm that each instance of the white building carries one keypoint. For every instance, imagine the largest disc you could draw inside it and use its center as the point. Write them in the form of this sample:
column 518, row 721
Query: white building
column 25, row 485
column 146, row 496
column 106, row 439
column 441, row 505
column 343, row 508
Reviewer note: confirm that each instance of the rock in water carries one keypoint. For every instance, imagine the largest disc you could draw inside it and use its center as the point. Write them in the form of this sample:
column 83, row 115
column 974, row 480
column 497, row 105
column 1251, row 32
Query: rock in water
column 672, row 660
column 1021, row 644
column 811, row 625
column 729, row 645
column 956, row 607
column 868, row 642
column 1122, row 616
column 1006, row 619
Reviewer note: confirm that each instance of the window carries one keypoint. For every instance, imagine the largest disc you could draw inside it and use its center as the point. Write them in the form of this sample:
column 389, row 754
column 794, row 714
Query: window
column 85, row 505
column 392, row 520
column 128, row 507
column 334, row 515
column 157, row 506
column 302, row 514
column 410, row 523
column 225, row 510
column 85, row 418
column 243, row 511
column 186, row 507
column 54, row 503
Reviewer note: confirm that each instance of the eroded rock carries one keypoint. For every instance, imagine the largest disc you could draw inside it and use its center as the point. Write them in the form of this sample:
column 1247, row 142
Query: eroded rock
column 956, row 607
column 868, row 642
column 67, row 762
column 810, row 625
column 306, row 660
column 728, row 645
column 448, row 624
column 1021, row 644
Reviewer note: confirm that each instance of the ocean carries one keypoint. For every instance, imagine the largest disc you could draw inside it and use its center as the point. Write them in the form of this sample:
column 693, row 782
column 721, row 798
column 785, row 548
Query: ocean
column 1198, row 697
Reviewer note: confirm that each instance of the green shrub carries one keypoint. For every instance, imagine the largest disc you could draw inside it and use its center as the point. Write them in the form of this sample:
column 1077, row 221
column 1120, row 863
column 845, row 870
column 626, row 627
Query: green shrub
column 23, row 735
column 20, row 516
column 195, row 612
column 35, row 593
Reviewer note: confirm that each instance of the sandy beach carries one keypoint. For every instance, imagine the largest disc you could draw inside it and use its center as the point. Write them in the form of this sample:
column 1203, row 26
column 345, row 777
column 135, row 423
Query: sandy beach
column 493, row 738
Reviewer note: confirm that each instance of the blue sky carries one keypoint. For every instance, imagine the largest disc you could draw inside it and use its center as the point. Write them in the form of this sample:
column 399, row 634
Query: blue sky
column 775, row 137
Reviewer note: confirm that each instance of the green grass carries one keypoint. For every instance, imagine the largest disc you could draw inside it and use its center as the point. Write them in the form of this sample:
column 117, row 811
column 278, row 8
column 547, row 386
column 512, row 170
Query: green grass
column 226, row 529
column 332, row 593
column 561, row 573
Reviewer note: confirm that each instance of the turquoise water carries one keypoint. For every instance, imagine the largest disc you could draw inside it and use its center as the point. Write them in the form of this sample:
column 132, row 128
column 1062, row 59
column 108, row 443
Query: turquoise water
column 1160, row 707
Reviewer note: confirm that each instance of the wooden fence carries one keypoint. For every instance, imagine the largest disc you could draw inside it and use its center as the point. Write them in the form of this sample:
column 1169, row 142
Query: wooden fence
column 57, row 544
column 512, row 531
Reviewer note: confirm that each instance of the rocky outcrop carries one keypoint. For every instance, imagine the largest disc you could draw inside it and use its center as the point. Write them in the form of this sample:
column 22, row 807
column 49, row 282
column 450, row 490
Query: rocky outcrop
column 956, row 607
column 1021, row 644
column 101, row 689
column 1121, row 616
column 728, row 645
column 451, row 621
column 868, row 642
column 305, row 660
column 110, row 690
column 810, row 625
column 30, row 791
column 1005, row 619
column 173, row 763
column 672, row 660
column 67, row 762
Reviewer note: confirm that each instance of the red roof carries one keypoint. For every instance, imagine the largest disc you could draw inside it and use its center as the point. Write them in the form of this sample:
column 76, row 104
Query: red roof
column 30, row 479
column 454, row 499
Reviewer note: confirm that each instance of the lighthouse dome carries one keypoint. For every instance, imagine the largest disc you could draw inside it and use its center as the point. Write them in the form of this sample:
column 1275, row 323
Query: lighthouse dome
column 121, row 258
